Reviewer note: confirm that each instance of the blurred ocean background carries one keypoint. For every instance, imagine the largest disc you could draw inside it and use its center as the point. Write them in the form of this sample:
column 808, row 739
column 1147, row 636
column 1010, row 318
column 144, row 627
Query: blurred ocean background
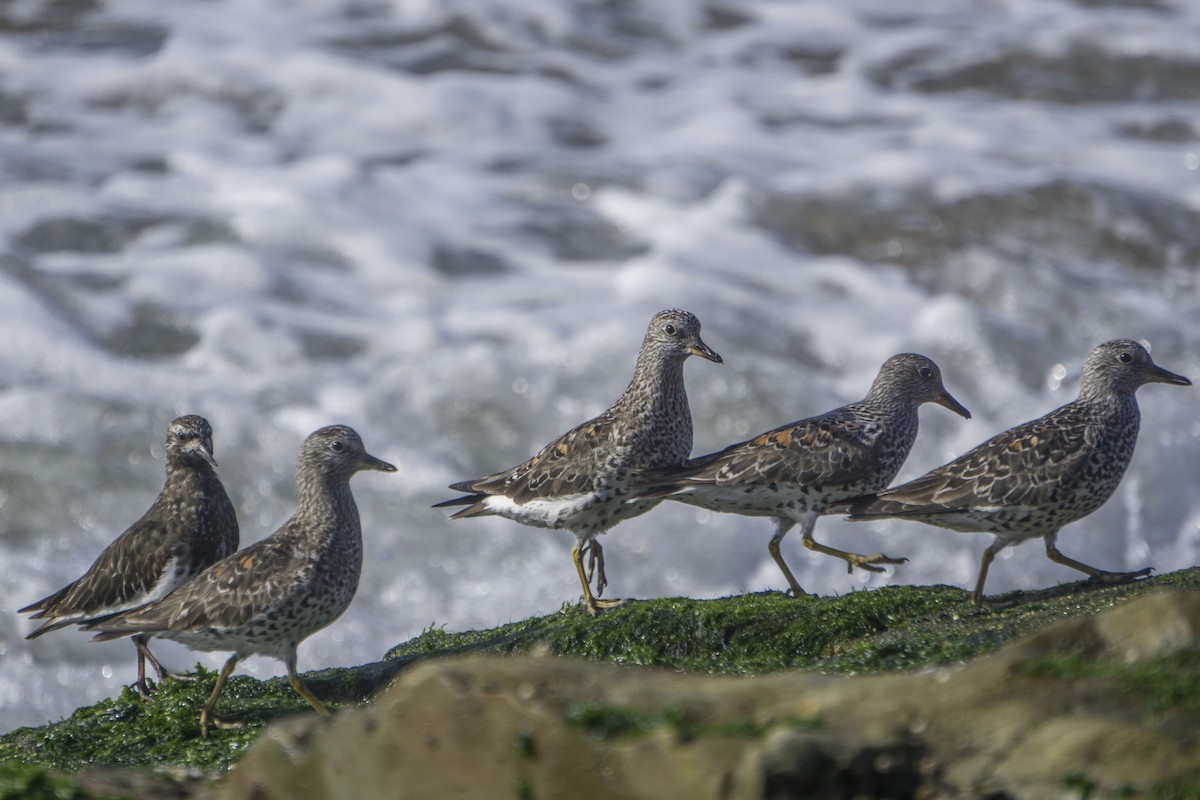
column 448, row 223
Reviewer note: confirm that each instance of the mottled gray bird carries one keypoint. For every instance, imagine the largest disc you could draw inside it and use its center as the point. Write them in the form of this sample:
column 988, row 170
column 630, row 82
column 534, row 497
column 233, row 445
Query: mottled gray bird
column 793, row 473
column 579, row 481
column 1033, row 479
column 191, row 525
column 270, row 596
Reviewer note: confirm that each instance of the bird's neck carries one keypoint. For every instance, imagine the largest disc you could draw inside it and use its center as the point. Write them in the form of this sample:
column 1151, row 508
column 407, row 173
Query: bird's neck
column 327, row 507
column 656, row 386
column 889, row 406
column 1107, row 403
column 327, row 529
column 184, row 472
column 894, row 421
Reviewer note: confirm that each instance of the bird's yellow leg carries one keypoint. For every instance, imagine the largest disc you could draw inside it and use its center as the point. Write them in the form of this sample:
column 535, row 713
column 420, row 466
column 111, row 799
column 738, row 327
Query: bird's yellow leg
column 596, row 566
column 773, row 549
column 852, row 560
column 302, row 690
column 207, row 715
column 984, row 563
column 1103, row 576
column 594, row 606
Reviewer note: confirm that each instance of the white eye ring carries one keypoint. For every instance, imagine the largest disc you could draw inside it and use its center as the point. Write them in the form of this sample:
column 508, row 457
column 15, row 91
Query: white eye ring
column 670, row 329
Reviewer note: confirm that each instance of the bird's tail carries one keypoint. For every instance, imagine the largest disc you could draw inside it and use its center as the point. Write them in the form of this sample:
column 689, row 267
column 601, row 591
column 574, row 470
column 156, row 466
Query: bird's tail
column 45, row 606
column 855, row 508
column 465, row 500
column 120, row 625
column 653, row 491
column 476, row 507
column 51, row 625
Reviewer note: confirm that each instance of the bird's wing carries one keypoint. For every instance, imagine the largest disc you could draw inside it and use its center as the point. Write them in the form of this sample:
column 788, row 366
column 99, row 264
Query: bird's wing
column 231, row 592
column 832, row 449
column 129, row 567
column 566, row 466
column 1025, row 467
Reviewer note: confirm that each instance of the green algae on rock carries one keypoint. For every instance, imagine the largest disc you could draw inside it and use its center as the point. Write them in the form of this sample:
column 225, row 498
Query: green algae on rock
column 129, row 730
column 1009, row 724
column 894, row 627
column 888, row 629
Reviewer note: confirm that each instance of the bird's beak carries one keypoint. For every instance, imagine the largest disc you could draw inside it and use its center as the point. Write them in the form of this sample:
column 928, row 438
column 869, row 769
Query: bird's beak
column 704, row 351
column 1160, row 375
column 947, row 400
column 371, row 462
column 204, row 447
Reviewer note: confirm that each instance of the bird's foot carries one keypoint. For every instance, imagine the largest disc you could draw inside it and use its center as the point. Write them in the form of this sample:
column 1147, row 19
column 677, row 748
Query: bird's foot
column 146, row 688
column 998, row 603
column 1102, row 576
column 166, row 674
column 212, row 720
column 598, row 607
column 870, row 563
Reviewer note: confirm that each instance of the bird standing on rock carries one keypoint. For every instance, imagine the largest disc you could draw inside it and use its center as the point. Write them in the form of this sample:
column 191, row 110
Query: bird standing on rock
column 270, row 596
column 795, row 472
column 191, row 525
column 1031, row 480
column 579, row 482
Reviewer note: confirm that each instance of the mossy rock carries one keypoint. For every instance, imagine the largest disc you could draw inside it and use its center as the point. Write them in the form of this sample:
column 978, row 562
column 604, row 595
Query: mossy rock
column 891, row 628
column 887, row 629
column 1095, row 706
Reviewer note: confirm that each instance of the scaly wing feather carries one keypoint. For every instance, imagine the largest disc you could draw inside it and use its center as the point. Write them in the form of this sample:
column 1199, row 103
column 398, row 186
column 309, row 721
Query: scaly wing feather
column 126, row 569
column 566, row 466
column 231, row 592
column 1028, row 466
column 828, row 450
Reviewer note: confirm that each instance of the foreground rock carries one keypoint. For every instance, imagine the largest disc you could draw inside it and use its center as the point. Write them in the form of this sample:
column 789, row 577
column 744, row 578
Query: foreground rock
column 1101, row 706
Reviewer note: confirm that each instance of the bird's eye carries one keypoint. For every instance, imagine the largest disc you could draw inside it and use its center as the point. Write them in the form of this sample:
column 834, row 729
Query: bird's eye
column 1125, row 358
column 670, row 329
column 336, row 446
column 925, row 372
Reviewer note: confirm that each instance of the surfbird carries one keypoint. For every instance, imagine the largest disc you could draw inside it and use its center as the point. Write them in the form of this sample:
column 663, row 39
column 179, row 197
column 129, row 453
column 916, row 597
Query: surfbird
column 1033, row 479
column 190, row 526
column 579, row 481
column 794, row 472
column 270, row 596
